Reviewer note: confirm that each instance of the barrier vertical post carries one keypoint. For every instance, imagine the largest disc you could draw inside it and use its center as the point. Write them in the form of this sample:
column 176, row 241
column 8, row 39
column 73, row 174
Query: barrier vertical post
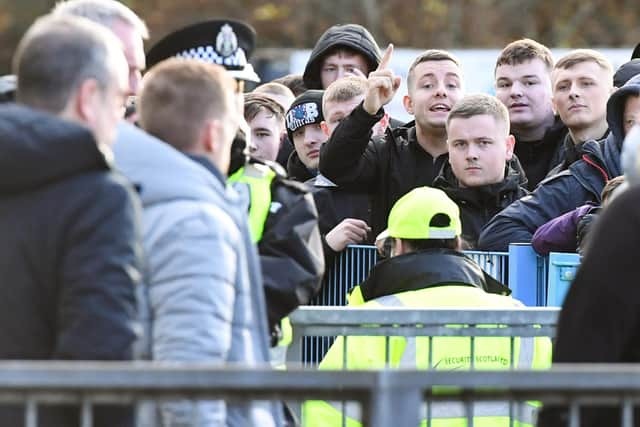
column 523, row 273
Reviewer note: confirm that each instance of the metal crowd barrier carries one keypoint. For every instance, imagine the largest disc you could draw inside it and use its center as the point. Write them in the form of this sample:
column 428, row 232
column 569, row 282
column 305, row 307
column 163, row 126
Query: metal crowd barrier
column 433, row 322
column 352, row 267
column 387, row 398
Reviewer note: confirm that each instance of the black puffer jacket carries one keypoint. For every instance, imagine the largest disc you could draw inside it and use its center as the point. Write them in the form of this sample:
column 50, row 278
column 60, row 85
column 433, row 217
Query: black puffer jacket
column 353, row 36
column 387, row 168
column 70, row 251
column 479, row 204
column 580, row 184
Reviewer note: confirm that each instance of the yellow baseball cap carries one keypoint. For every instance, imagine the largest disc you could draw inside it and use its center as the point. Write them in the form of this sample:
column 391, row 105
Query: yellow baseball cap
column 411, row 215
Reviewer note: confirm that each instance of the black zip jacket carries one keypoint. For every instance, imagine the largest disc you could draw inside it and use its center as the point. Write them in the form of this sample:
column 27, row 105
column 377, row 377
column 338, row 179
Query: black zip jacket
column 70, row 251
column 387, row 167
column 540, row 157
column 479, row 204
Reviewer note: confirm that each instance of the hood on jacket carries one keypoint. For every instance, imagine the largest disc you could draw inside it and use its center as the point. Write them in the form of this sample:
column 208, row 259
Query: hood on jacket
column 161, row 172
column 625, row 72
column 615, row 108
column 39, row 148
column 353, row 36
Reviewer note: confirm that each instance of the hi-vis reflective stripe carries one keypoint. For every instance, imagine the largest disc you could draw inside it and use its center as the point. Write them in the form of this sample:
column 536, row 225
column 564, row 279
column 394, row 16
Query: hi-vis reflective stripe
column 524, row 412
column 526, row 345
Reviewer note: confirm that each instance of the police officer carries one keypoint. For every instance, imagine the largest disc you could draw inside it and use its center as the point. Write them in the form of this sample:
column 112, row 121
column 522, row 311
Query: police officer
column 425, row 269
column 282, row 214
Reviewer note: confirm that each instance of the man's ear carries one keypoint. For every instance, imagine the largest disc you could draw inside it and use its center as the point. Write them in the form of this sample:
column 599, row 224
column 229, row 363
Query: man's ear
column 83, row 102
column 511, row 143
column 208, row 136
column 325, row 128
column 408, row 104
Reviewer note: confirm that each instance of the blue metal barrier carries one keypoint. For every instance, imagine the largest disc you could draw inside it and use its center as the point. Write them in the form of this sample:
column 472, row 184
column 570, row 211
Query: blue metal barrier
column 562, row 271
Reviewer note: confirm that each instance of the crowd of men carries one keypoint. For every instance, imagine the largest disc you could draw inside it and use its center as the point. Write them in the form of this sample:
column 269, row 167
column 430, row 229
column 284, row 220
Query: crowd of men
column 190, row 230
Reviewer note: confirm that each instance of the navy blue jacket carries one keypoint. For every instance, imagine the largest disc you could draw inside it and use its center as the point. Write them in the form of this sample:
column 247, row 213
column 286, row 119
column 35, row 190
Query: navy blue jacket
column 70, row 253
column 580, row 184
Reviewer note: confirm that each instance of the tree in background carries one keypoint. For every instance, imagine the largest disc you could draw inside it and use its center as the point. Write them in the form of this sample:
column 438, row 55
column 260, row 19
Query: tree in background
column 408, row 23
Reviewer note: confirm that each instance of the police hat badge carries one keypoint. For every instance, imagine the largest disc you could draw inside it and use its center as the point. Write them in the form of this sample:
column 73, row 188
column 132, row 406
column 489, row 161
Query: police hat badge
column 224, row 42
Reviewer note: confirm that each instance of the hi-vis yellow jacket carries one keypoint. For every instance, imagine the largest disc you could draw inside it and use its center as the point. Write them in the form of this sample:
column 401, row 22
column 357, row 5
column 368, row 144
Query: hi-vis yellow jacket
column 448, row 353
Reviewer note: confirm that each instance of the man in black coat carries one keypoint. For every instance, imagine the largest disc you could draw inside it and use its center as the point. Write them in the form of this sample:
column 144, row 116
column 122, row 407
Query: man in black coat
column 70, row 246
column 406, row 157
column 523, row 84
column 482, row 175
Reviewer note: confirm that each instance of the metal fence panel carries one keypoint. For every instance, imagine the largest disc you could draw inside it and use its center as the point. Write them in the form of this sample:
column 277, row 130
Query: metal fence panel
column 387, row 397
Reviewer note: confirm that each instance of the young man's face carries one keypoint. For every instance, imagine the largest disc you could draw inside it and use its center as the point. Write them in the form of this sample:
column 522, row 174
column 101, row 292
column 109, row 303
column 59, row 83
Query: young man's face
column 335, row 111
column 307, row 141
column 580, row 94
column 479, row 148
column 631, row 112
column 525, row 89
column 340, row 64
column 266, row 131
column 435, row 87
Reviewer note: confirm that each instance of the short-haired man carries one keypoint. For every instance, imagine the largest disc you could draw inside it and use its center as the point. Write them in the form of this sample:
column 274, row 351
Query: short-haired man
column 582, row 82
column 340, row 51
column 70, row 225
column 123, row 22
column 482, row 176
column 203, row 269
column 285, row 97
column 265, row 118
column 282, row 216
column 581, row 183
column 406, row 157
column 523, row 84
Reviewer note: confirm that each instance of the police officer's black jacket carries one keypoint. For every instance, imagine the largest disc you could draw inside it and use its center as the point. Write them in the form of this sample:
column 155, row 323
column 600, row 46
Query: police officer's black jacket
column 479, row 204
column 387, row 167
column 290, row 249
column 70, row 252
column 581, row 183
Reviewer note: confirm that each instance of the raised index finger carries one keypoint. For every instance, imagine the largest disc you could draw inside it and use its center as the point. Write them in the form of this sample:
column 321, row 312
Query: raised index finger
column 384, row 62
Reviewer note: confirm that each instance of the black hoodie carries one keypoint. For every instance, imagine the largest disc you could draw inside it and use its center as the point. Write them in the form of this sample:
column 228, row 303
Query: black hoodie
column 70, row 252
column 353, row 36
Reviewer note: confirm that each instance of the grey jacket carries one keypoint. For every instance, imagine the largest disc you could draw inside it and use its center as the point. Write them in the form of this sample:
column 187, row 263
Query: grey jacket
column 203, row 287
